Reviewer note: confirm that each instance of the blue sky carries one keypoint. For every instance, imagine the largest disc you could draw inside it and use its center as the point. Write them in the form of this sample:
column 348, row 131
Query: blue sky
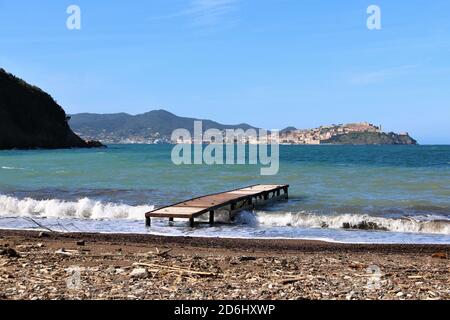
column 269, row 63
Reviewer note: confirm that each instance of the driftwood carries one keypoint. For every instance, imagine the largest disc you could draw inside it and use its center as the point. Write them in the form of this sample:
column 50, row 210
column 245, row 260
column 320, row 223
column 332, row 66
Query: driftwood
column 176, row 269
column 292, row 280
column 162, row 253
column 38, row 224
column 416, row 277
column 4, row 264
column 37, row 280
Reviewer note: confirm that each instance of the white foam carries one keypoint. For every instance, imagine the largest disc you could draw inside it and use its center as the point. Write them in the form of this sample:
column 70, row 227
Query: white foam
column 83, row 208
column 12, row 168
column 308, row 220
column 91, row 209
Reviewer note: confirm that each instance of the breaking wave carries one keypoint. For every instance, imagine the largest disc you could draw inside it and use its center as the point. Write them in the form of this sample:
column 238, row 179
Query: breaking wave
column 82, row 209
column 12, row 168
column 86, row 208
column 423, row 224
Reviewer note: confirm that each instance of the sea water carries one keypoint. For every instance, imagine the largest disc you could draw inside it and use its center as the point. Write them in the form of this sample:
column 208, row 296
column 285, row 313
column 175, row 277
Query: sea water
column 404, row 191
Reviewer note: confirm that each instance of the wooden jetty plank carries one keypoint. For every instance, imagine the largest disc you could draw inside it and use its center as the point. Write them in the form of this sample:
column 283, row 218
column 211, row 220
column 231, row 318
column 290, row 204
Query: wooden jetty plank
column 243, row 192
column 185, row 210
column 179, row 212
column 234, row 199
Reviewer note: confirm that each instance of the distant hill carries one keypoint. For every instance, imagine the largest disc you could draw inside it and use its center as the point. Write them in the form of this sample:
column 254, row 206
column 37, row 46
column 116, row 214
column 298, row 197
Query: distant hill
column 371, row 138
column 288, row 129
column 158, row 125
column 141, row 128
column 30, row 118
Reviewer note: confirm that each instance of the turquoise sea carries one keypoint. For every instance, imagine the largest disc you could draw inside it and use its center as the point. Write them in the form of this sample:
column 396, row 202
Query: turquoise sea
column 403, row 190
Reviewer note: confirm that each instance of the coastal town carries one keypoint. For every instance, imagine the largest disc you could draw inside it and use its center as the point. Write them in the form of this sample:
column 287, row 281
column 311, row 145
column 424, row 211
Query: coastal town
column 288, row 136
column 292, row 136
column 324, row 133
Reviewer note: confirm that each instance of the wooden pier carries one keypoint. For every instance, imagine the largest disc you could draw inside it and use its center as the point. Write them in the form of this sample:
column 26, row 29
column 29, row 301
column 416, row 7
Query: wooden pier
column 233, row 201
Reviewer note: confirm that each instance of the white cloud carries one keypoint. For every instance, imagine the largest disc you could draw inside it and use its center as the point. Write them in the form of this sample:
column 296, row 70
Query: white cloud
column 211, row 12
column 382, row 75
column 208, row 13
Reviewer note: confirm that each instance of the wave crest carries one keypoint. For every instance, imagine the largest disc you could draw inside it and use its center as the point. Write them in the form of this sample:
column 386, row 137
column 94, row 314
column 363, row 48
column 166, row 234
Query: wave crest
column 83, row 209
column 346, row 221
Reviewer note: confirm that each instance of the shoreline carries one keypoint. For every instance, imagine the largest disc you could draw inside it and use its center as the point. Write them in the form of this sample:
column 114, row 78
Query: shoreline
column 262, row 244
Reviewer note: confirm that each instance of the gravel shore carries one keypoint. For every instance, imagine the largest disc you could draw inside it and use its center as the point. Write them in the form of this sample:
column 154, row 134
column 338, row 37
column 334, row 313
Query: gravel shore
column 36, row 265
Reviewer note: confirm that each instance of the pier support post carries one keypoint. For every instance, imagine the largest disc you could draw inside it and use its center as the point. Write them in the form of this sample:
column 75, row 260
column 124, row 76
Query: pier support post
column 232, row 209
column 191, row 222
column 250, row 203
column 211, row 217
column 148, row 222
column 286, row 193
column 171, row 221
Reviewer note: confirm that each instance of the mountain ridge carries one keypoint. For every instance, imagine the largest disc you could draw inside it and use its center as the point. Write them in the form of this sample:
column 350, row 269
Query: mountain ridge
column 156, row 126
column 145, row 127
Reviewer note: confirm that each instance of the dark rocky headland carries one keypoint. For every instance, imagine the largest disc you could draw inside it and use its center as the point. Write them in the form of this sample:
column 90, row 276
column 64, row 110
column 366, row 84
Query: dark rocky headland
column 31, row 119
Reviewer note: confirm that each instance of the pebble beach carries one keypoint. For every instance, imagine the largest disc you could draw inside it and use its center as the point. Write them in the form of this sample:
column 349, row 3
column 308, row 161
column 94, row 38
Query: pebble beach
column 40, row 265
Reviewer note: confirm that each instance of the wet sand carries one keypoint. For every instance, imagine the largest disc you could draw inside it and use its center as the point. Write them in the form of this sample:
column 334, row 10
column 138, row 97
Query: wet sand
column 119, row 266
